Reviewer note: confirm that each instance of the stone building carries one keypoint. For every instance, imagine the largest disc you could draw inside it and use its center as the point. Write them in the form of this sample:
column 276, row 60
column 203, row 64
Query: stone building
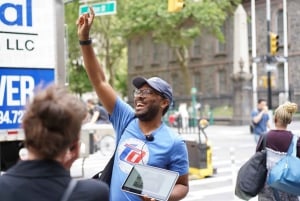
column 211, row 62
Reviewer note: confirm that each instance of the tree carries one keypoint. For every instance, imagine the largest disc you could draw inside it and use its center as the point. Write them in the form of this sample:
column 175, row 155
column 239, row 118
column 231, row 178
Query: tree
column 177, row 30
column 109, row 48
column 136, row 17
column 77, row 77
column 110, row 44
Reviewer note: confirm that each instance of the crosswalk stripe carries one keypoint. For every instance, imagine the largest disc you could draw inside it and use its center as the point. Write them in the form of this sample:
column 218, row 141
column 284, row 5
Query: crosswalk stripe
column 209, row 180
column 211, row 191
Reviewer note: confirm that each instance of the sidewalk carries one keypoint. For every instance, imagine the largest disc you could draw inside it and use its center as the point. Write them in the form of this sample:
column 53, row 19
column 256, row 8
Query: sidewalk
column 88, row 166
column 243, row 129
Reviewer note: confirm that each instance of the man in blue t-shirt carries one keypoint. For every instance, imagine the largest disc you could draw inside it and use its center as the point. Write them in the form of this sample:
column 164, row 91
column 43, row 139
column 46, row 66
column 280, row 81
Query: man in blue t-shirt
column 260, row 119
column 142, row 136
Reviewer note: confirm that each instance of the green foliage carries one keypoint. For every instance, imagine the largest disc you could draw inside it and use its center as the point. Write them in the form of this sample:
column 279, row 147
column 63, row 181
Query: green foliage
column 121, row 76
column 180, row 28
column 78, row 79
column 109, row 45
column 140, row 17
column 71, row 15
column 223, row 111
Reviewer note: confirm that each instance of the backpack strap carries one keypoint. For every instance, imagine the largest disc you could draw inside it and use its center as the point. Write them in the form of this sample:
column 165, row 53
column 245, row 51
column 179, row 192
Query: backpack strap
column 110, row 163
column 262, row 143
column 293, row 146
column 117, row 140
column 71, row 186
column 276, row 194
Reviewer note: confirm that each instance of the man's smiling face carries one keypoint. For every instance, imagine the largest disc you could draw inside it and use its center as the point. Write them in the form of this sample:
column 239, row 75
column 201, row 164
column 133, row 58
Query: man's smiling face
column 146, row 103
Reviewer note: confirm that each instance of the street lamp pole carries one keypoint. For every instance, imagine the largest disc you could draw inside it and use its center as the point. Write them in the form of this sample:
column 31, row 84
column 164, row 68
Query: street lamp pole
column 254, row 65
column 285, row 52
column 194, row 93
column 268, row 54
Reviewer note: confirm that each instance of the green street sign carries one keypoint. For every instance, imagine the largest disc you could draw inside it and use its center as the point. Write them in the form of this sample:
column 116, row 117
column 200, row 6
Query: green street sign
column 104, row 8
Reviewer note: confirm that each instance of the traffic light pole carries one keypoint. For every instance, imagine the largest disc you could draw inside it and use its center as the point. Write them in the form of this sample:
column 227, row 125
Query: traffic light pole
column 268, row 55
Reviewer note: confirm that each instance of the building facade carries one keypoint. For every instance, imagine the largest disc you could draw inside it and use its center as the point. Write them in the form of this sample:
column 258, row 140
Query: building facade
column 211, row 61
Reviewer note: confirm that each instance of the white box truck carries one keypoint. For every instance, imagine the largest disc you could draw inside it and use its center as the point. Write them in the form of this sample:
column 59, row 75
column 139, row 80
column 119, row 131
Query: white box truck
column 32, row 53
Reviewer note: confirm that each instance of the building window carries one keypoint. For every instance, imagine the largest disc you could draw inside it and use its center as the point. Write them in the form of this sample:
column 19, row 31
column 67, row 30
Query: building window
column 155, row 53
column 130, row 53
column 221, row 45
column 139, row 54
column 221, row 84
column 249, row 34
column 196, row 48
column 176, row 84
column 280, row 26
column 197, row 81
column 280, row 76
column 172, row 55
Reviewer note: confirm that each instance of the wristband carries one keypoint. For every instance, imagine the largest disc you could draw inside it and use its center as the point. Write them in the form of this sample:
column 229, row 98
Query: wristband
column 85, row 42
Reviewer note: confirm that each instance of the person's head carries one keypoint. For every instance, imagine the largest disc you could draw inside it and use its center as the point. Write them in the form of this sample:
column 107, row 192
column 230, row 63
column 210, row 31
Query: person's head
column 52, row 122
column 90, row 104
column 151, row 96
column 284, row 113
column 261, row 104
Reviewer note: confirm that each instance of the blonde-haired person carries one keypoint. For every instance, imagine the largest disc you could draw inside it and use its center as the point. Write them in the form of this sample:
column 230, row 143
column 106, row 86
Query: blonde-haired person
column 277, row 144
column 52, row 124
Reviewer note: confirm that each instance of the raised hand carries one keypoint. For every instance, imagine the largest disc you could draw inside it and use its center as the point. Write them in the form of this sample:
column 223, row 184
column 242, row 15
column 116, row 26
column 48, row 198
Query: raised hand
column 84, row 24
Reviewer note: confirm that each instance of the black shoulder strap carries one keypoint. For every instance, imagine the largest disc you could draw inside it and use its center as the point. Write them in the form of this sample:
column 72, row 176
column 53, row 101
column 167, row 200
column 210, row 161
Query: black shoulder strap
column 69, row 190
column 122, row 134
column 110, row 163
column 125, row 128
column 262, row 142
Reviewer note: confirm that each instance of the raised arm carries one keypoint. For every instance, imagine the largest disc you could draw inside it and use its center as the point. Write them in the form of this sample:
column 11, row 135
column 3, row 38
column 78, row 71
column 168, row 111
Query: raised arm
column 94, row 69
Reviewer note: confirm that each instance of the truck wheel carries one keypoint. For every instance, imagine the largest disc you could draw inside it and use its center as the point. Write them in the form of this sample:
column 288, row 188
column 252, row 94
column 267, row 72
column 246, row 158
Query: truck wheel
column 9, row 154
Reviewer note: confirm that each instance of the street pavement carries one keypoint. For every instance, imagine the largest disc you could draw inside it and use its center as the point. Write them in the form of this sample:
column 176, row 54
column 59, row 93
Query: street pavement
column 231, row 147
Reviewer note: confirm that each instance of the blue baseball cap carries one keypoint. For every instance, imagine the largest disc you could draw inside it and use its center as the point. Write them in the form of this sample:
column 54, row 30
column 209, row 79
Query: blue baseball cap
column 157, row 84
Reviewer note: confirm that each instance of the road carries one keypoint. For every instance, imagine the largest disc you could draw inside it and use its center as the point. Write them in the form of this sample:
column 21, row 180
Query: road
column 231, row 147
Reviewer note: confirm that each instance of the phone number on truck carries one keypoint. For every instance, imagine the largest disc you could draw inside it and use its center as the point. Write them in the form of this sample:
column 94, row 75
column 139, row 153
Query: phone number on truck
column 11, row 116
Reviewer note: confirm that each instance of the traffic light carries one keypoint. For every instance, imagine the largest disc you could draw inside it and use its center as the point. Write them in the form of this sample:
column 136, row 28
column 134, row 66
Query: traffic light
column 264, row 81
column 175, row 5
column 273, row 43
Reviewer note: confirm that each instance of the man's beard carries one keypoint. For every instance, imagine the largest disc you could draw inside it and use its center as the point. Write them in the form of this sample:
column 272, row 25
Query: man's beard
column 149, row 114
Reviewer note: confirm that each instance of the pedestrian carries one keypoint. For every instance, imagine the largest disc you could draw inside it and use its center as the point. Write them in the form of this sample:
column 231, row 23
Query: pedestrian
column 146, row 139
column 277, row 144
column 184, row 114
column 51, row 123
column 98, row 113
column 260, row 119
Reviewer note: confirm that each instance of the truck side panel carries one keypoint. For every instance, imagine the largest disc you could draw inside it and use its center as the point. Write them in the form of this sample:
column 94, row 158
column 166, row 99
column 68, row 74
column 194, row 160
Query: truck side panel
column 16, row 87
column 32, row 54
